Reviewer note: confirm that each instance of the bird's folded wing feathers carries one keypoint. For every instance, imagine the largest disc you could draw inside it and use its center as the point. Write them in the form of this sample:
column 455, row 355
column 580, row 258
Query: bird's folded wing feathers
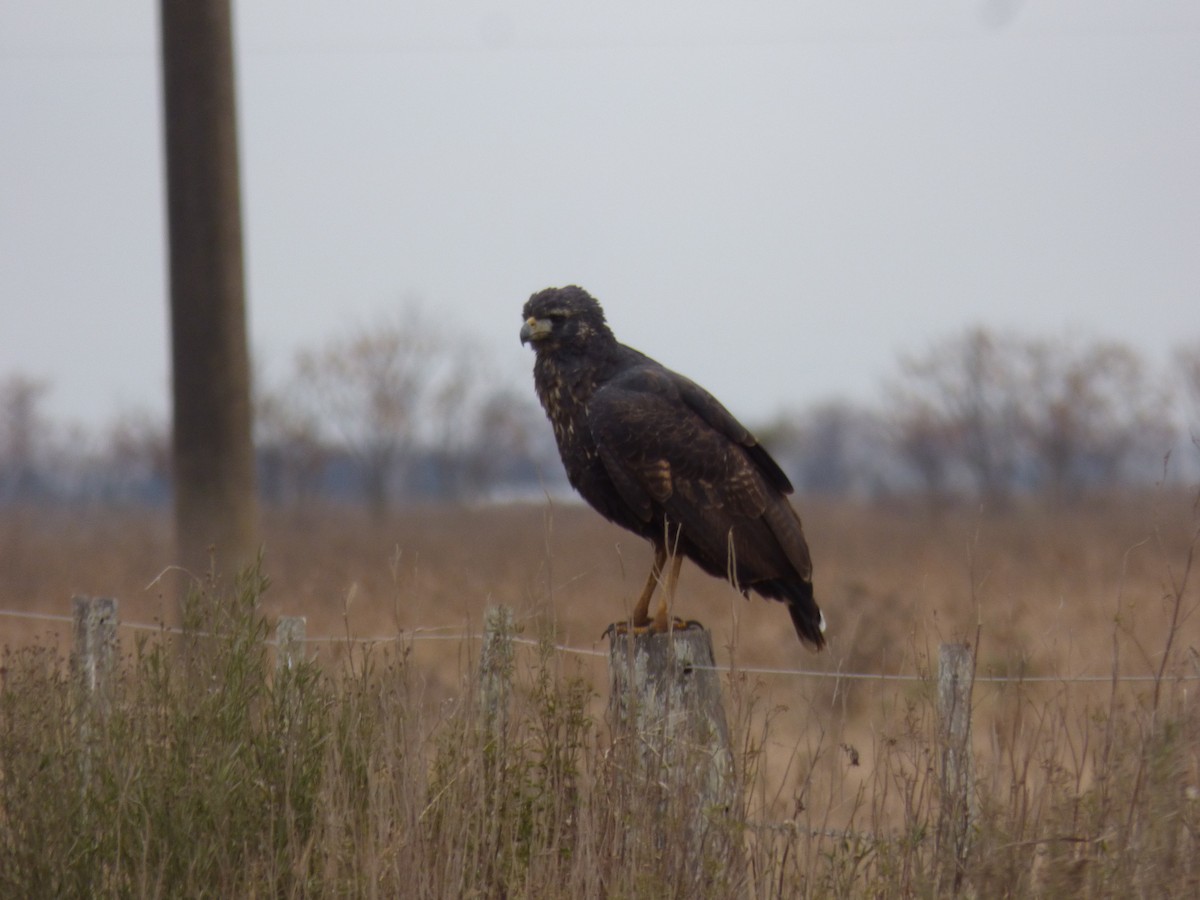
column 657, row 447
column 715, row 414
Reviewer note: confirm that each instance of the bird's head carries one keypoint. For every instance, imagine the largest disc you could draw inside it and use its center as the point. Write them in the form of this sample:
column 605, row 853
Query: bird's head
column 564, row 319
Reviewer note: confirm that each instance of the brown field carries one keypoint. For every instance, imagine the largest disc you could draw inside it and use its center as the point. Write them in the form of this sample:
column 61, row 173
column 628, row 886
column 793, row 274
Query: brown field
column 1097, row 589
column 1045, row 588
column 1047, row 591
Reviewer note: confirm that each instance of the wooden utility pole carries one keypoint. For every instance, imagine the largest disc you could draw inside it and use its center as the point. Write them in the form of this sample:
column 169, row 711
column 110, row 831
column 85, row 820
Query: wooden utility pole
column 213, row 456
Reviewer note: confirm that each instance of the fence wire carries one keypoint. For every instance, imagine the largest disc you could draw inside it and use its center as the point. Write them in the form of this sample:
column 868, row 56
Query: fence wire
column 438, row 633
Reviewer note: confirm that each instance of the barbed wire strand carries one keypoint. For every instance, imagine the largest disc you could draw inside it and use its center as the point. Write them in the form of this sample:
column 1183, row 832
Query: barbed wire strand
column 433, row 634
column 46, row 617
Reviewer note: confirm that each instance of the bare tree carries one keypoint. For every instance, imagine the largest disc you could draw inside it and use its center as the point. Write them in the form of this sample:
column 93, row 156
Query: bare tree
column 833, row 448
column 453, row 402
column 508, row 433
column 369, row 387
column 925, row 441
column 1088, row 409
column 1187, row 364
column 1063, row 416
column 23, row 435
column 965, row 390
column 137, row 457
column 292, row 453
column 478, row 433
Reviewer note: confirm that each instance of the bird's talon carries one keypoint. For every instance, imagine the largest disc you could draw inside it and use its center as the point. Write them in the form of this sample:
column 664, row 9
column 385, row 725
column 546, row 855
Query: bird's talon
column 650, row 626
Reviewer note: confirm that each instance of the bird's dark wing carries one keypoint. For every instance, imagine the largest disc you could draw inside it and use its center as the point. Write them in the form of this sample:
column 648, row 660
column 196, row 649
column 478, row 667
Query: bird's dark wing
column 711, row 411
column 664, row 440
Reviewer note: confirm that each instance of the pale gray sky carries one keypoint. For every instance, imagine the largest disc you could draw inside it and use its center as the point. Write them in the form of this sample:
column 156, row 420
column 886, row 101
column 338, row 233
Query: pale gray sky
column 772, row 197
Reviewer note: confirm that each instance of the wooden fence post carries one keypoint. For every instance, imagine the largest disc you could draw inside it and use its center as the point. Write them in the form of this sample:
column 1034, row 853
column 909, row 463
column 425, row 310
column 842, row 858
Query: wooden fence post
column 495, row 787
column 95, row 629
column 669, row 724
column 289, row 654
column 94, row 622
column 496, row 670
column 289, row 642
column 956, row 675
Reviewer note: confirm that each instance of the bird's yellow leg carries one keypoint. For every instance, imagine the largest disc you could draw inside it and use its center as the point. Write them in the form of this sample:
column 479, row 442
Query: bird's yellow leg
column 667, row 597
column 641, row 612
column 640, row 622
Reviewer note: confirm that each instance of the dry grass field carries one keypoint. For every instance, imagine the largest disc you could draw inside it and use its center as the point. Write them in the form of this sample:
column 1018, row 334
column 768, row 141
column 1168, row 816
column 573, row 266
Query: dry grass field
column 1082, row 788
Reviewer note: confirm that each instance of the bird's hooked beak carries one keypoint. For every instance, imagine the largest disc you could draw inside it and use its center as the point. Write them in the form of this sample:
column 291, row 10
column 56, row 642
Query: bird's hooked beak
column 534, row 330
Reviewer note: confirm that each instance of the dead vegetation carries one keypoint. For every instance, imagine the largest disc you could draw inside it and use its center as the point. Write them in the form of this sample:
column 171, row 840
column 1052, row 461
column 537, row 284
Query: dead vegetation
column 368, row 772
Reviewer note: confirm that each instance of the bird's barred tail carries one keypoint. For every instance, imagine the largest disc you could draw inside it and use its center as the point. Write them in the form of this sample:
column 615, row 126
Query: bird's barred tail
column 806, row 615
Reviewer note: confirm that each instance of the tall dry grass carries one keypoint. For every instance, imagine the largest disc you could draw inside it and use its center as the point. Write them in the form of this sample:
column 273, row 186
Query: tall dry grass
column 372, row 770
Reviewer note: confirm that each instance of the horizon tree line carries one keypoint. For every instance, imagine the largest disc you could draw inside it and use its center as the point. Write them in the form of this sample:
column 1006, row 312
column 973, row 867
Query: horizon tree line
column 394, row 412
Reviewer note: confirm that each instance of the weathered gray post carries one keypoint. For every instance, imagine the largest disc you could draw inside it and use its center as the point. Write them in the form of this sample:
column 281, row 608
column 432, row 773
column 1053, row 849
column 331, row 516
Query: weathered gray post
column 93, row 660
column 666, row 711
column 956, row 675
column 289, row 642
column 289, row 654
column 496, row 670
column 94, row 655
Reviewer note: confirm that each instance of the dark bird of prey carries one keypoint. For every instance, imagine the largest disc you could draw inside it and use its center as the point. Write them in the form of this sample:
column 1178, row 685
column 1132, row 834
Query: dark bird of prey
column 656, row 453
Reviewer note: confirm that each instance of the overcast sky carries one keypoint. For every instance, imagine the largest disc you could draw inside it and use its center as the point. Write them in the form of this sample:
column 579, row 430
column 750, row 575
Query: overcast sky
column 771, row 197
